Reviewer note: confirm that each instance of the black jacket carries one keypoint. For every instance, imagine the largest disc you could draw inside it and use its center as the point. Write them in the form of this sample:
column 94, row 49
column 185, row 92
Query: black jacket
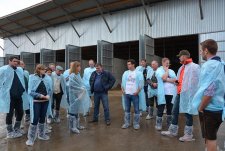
column 107, row 80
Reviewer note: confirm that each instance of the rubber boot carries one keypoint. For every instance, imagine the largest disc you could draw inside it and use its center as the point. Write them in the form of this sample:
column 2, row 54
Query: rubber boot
column 41, row 132
column 32, row 134
column 136, row 121
column 158, row 124
column 126, row 120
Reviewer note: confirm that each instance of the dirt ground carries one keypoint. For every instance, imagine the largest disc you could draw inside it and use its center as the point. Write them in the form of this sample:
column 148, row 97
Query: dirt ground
column 100, row 137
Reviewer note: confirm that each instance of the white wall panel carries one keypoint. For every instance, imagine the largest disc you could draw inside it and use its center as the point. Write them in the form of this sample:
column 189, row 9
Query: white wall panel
column 170, row 18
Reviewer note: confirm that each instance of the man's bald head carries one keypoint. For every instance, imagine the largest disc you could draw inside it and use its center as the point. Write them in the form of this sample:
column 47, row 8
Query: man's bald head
column 155, row 64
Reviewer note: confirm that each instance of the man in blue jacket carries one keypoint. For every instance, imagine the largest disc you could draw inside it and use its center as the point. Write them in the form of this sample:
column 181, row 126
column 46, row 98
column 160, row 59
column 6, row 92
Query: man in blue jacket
column 101, row 82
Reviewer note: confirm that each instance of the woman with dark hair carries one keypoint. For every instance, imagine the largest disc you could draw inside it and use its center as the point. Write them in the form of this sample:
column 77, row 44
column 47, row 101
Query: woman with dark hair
column 79, row 99
column 40, row 90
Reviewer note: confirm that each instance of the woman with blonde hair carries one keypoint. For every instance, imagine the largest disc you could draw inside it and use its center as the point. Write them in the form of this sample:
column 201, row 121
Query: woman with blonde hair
column 40, row 90
column 79, row 101
column 166, row 92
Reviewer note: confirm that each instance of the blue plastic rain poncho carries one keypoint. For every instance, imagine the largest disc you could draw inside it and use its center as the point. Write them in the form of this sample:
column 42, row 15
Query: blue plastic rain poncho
column 139, row 84
column 49, row 111
column 86, row 77
column 161, row 94
column 26, row 74
column 78, row 95
column 34, row 81
column 151, row 92
column 26, row 95
column 66, row 75
column 211, row 71
column 189, row 86
column 64, row 103
column 7, row 76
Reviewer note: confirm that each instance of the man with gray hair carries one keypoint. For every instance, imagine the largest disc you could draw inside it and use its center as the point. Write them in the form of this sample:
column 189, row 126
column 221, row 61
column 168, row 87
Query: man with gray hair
column 152, row 89
column 59, row 91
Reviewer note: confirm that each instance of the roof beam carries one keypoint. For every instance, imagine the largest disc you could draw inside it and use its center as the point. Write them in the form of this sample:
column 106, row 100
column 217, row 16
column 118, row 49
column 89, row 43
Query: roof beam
column 39, row 18
column 24, row 34
column 29, row 39
column 103, row 17
column 200, row 9
column 66, row 14
column 7, row 31
column 86, row 11
column 13, row 42
column 46, row 12
column 13, row 34
column 45, row 28
column 49, row 34
column 146, row 13
column 45, row 22
column 2, row 48
column 18, row 24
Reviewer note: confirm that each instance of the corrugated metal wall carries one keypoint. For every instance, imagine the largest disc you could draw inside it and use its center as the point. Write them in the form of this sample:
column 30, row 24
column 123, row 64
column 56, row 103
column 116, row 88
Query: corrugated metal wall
column 219, row 37
column 2, row 61
column 170, row 18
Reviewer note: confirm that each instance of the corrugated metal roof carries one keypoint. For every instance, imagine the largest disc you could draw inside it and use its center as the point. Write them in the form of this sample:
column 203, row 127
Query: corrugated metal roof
column 170, row 18
column 52, row 12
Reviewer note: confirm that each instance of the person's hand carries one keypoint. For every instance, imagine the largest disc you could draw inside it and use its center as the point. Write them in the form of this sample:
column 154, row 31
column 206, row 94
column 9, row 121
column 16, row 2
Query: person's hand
column 166, row 68
column 42, row 97
column 200, row 110
column 136, row 93
column 176, row 82
column 123, row 92
column 47, row 97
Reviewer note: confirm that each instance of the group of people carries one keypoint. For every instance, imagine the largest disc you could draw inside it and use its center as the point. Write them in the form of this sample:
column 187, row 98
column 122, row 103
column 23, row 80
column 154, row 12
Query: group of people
column 42, row 94
column 193, row 90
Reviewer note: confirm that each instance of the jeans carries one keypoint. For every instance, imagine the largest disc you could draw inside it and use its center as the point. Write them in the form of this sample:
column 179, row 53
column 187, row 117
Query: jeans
column 17, row 105
column 101, row 96
column 40, row 110
column 175, row 113
column 56, row 101
column 168, row 104
column 131, row 98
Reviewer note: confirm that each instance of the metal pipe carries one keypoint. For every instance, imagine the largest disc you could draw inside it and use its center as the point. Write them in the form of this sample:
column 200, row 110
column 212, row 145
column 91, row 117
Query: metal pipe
column 200, row 8
column 103, row 17
column 146, row 13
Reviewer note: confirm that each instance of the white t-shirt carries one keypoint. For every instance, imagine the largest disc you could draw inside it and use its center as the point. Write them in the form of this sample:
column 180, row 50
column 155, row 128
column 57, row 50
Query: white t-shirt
column 168, row 88
column 131, row 83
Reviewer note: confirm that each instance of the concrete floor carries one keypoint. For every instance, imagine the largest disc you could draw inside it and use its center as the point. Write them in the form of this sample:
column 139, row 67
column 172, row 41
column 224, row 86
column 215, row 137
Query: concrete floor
column 100, row 137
